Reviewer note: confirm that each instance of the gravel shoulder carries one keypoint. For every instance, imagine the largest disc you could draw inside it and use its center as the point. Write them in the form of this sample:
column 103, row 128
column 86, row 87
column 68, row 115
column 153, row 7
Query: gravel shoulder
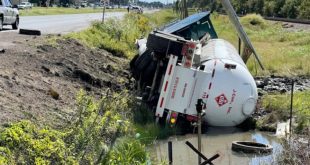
column 41, row 76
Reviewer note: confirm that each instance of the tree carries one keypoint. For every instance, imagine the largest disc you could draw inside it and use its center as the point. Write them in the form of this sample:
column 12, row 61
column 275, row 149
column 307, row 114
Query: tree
column 181, row 8
column 304, row 9
column 268, row 9
column 277, row 8
column 259, row 6
column 290, row 8
column 240, row 6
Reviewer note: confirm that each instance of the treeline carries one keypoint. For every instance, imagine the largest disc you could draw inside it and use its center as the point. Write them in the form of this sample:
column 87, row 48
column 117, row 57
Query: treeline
column 271, row 8
column 111, row 2
column 150, row 4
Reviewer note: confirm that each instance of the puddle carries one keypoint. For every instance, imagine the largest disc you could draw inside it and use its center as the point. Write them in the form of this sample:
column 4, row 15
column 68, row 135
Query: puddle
column 217, row 140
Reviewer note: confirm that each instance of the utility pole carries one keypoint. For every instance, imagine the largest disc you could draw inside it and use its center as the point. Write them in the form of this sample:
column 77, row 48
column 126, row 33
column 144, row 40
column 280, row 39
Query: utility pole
column 103, row 11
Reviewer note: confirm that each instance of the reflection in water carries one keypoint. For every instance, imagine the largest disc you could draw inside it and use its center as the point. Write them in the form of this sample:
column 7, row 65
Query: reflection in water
column 217, row 140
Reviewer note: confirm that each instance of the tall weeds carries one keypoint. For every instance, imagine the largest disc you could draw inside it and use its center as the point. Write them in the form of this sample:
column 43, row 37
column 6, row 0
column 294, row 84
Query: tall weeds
column 279, row 107
column 283, row 52
column 89, row 139
column 118, row 36
column 296, row 151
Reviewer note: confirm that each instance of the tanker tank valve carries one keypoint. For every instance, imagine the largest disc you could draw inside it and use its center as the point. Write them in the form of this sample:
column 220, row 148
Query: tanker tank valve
column 230, row 66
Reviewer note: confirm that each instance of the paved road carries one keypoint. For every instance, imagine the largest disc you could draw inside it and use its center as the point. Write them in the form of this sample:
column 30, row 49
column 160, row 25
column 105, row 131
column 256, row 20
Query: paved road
column 54, row 24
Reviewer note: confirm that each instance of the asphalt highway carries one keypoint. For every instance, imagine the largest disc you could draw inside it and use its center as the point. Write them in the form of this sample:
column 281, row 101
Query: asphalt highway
column 61, row 24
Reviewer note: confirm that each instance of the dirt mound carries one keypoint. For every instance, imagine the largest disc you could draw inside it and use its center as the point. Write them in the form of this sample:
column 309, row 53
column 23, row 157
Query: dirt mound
column 39, row 80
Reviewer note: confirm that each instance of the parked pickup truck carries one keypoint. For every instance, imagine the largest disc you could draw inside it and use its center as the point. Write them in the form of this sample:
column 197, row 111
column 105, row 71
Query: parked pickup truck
column 9, row 15
column 25, row 5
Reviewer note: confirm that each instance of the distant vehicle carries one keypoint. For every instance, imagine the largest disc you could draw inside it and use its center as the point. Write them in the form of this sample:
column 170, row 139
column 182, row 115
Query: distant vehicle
column 109, row 7
column 25, row 5
column 137, row 9
column 8, row 15
column 84, row 4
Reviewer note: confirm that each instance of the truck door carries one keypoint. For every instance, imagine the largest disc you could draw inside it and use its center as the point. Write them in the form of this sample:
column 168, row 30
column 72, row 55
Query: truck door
column 7, row 12
column 10, row 13
column 3, row 8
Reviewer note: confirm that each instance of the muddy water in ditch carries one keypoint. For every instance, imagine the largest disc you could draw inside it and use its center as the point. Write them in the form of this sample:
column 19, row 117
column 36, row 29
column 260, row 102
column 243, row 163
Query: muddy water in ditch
column 217, row 140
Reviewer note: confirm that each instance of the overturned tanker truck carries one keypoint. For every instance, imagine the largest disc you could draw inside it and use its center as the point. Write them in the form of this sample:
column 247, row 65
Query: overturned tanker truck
column 186, row 61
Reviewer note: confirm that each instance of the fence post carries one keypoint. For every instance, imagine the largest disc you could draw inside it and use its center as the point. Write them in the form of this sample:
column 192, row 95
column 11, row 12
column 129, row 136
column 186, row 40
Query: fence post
column 291, row 110
column 199, row 107
column 239, row 45
column 170, row 152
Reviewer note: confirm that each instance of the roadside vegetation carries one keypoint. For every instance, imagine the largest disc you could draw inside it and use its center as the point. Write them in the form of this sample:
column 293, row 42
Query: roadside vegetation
column 108, row 130
column 37, row 11
column 283, row 52
column 296, row 150
column 91, row 137
column 119, row 37
column 277, row 107
column 114, row 130
column 270, row 8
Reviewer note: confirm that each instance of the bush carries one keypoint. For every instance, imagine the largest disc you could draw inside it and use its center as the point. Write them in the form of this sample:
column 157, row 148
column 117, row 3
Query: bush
column 254, row 20
column 118, row 36
column 24, row 142
column 295, row 151
column 127, row 151
column 279, row 107
column 86, row 140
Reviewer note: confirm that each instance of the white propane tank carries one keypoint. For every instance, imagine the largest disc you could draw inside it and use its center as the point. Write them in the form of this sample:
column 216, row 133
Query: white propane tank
column 230, row 94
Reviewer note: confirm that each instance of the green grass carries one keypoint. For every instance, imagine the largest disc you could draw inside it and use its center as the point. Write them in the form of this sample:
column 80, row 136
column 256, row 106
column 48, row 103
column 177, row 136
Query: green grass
column 35, row 11
column 146, row 129
column 279, row 107
column 283, row 52
column 118, row 36
column 127, row 151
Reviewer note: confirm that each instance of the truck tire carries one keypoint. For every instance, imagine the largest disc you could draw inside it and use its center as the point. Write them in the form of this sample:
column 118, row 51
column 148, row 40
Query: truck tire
column 144, row 60
column 16, row 23
column 133, row 67
column 250, row 147
column 147, row 74
column 141, row 63
column 30, row 32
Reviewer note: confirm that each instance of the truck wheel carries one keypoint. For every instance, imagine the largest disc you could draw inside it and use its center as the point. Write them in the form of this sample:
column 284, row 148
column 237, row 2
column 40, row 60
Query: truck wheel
column 1, row 23
column 16, row 24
